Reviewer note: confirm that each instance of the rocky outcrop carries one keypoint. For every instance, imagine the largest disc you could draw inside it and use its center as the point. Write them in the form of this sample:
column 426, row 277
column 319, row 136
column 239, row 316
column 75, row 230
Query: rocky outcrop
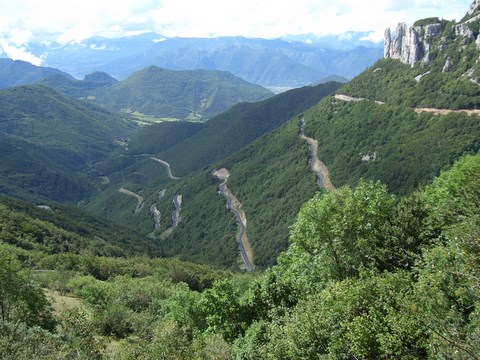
column 412, row 45
column 448, row 66
column 387, row 43
column 475, row 5
column 464, row 31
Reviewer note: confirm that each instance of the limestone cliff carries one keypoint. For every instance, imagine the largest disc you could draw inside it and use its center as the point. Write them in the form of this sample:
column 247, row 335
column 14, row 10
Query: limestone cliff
column 412, row 45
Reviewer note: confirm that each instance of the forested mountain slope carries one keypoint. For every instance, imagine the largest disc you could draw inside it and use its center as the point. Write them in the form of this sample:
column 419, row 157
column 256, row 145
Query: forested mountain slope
column 199, row 146
column 380, row 131
column 47, row 138
column 178, row 94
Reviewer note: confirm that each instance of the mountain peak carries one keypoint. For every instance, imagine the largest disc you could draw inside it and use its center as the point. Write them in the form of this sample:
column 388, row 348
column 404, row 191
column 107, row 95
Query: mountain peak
column 100, row 77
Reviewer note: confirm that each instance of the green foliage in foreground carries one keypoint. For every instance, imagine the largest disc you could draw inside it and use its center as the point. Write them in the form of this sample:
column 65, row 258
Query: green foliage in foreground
column 59, row 228
column 382, row 277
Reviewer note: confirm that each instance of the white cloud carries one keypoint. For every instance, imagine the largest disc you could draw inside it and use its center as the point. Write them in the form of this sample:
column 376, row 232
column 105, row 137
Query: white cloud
column 18, row 53
column 75, row 20
column 374, row 36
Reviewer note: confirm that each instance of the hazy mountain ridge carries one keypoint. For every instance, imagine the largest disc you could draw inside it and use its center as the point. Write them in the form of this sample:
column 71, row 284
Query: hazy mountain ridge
column 14, row 73
column 275, row 63
column 265, row 62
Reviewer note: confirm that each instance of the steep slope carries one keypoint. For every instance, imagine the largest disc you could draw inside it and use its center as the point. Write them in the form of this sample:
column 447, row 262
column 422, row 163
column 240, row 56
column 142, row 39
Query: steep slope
column 230, row 131
column 48, row 137
column 31, row 171
column 160, row 137
column 179, row 94
column 17, row 72
column 56, row 228
column 188, row 147
column 373, row 133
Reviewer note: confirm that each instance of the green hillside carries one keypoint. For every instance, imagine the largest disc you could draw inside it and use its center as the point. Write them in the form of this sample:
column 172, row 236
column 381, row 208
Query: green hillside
column 377, row 132
column 201, row 145
column 47, row 138
column 160, row 137
column 271, row 177
column 188, row 147
column 233, row 129
column 179, row 94
column 55, row 228
column 30, row 171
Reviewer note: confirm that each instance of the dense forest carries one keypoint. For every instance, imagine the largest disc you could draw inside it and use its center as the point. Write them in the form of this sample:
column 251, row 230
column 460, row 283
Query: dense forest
column 367, row 274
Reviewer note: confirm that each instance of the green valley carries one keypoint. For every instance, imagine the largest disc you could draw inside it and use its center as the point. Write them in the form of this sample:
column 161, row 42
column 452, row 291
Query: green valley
column 335, row 221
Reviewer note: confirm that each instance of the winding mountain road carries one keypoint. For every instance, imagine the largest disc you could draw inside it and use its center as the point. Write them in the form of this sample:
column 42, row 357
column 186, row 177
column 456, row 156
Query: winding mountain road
column 318, row 167
column 433, row 111
column 236, row 208
column 140, row 201
column 167, row 165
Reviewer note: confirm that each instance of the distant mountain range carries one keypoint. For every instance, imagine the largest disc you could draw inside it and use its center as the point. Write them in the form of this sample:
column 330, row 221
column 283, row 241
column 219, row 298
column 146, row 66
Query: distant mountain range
column 271, row 63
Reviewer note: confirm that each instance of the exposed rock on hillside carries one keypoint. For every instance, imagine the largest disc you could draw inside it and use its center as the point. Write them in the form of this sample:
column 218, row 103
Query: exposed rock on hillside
column 475, row 5
column 413, row 45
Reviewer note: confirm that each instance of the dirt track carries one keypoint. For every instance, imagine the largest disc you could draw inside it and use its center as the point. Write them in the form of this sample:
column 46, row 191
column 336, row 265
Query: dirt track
column 167, row 165
column 417, row 110
column 140, row 201
column 316, row 165
column 236, row 207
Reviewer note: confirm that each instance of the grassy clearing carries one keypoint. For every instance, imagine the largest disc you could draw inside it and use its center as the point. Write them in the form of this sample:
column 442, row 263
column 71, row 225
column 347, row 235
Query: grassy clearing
column 62, row 303
column 144, row 119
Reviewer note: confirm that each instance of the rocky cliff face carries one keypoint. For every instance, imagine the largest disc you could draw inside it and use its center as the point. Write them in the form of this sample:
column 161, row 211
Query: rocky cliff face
column 475, row 5
column 412, row 45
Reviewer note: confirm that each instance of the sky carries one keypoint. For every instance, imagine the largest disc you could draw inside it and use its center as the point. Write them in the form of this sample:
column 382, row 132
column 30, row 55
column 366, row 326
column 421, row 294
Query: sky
column 64, row 21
